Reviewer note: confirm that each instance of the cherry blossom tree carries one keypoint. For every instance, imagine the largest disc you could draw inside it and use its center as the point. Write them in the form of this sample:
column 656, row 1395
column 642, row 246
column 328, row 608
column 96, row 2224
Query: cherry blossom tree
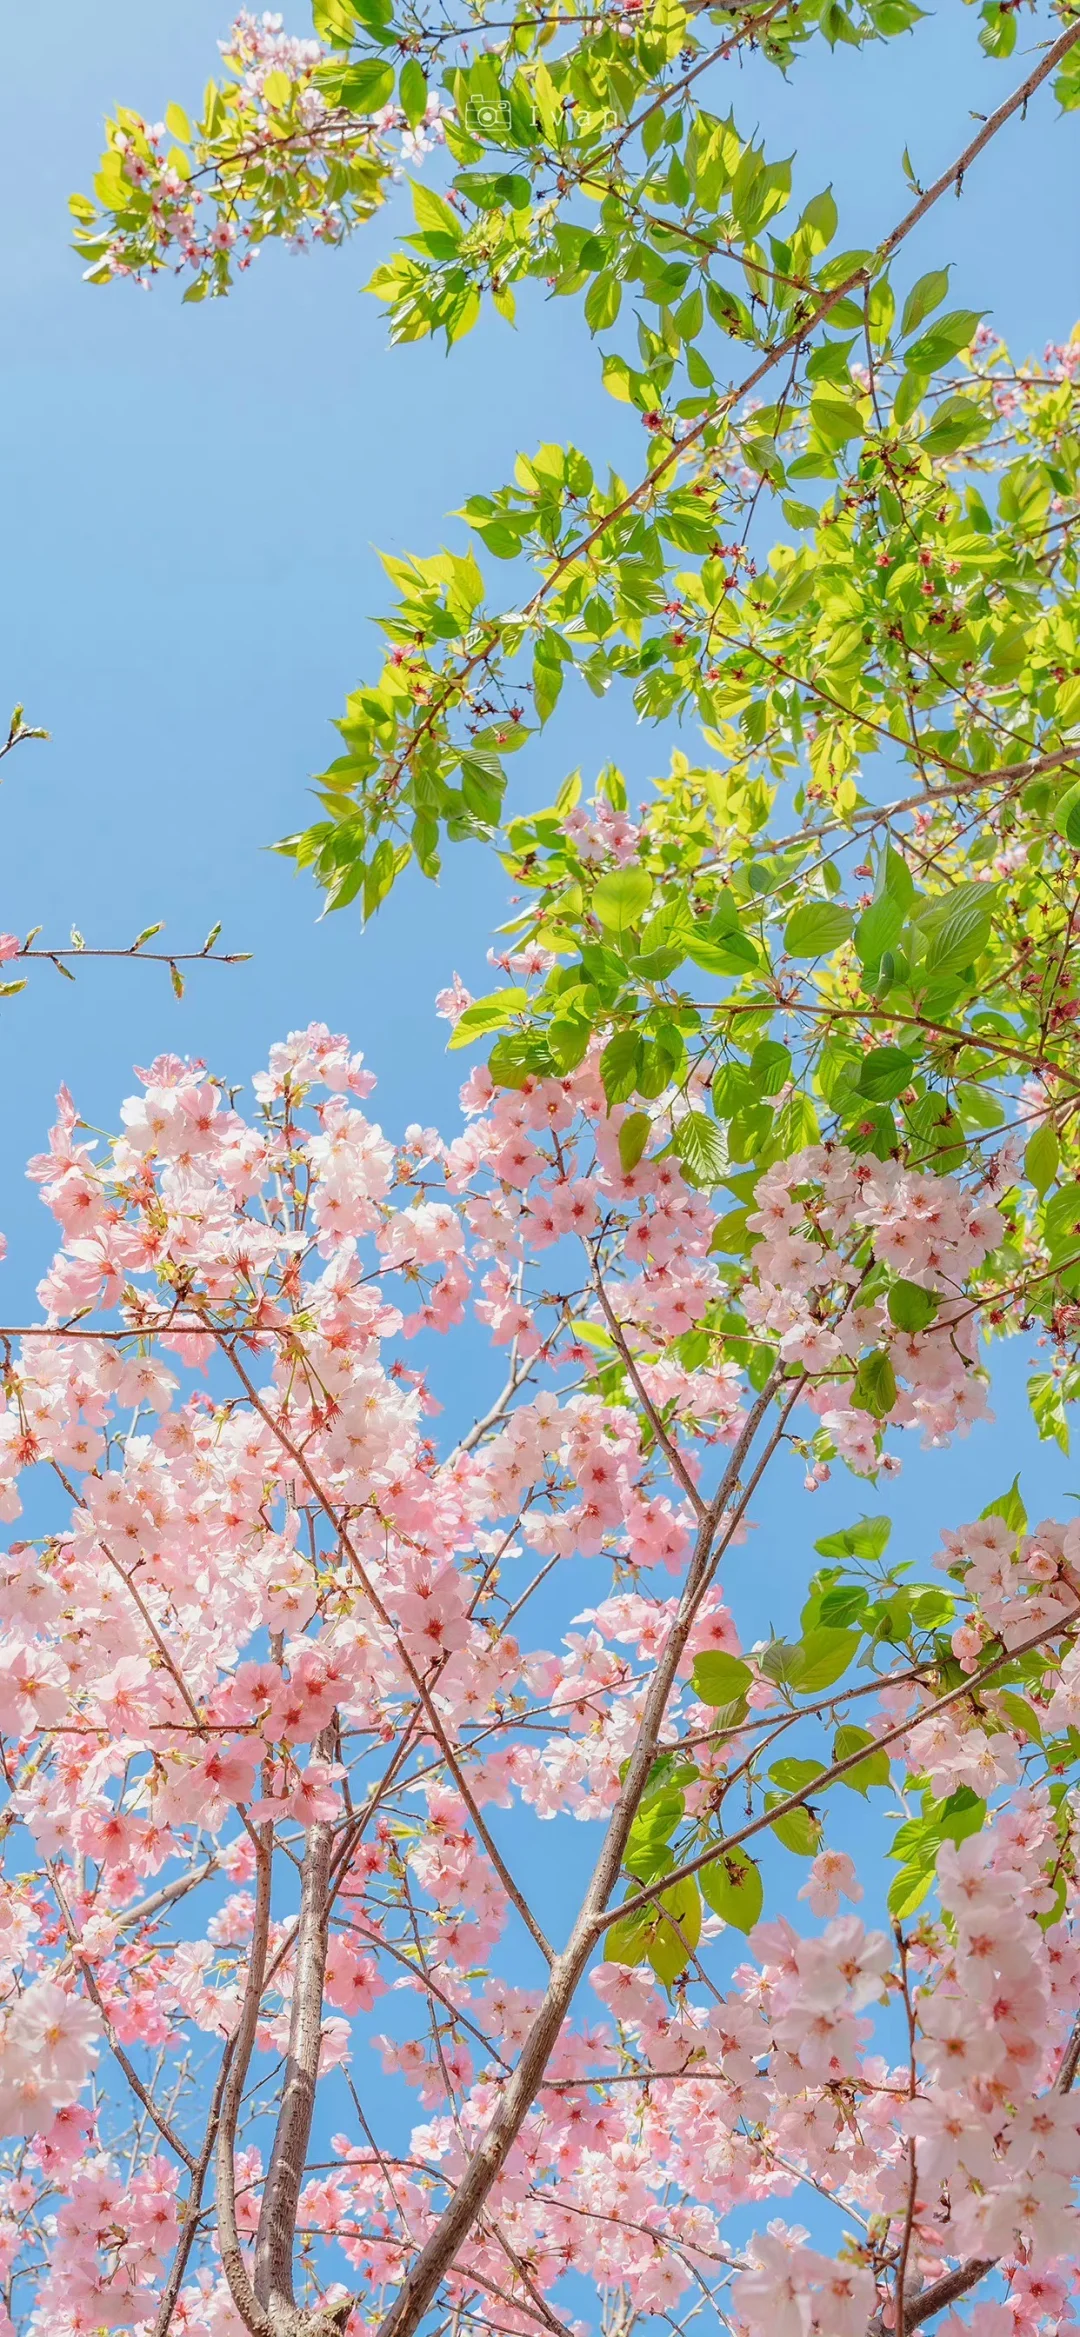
column 777, row 1133
column 271, row 1692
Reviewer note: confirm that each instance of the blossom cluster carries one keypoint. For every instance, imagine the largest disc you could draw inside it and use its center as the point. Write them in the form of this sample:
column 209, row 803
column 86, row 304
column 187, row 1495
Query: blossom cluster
column 973, row 2150
column 274, row 1607
column 929, row 1231
column 275, row 157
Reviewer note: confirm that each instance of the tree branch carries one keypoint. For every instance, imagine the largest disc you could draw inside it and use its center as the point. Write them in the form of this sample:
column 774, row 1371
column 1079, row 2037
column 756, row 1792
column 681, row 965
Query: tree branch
column 122, row 2059
column 189, row 2207
column 273, row 2281
column 670, row 1450
column 827, row 1777
column 255, row 2320
column 514, row 1893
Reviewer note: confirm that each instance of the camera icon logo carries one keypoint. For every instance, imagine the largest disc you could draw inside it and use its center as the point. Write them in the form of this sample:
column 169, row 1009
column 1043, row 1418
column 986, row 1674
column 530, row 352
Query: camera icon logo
column 487, row 115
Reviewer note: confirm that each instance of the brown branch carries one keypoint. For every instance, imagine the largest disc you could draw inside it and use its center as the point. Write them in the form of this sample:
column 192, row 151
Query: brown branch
column 913, row 2176
column 189, row 2207
column 166, row 1897
column 150, row 957
column 827, row 1777
column 255, row 2320
column 122, row 2059
column 670, row 1450
column 514, row 1893
column 273, row 2282
column 171, row 1666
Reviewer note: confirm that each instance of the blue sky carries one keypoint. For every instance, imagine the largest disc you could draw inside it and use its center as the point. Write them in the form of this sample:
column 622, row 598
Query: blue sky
column 193, row 500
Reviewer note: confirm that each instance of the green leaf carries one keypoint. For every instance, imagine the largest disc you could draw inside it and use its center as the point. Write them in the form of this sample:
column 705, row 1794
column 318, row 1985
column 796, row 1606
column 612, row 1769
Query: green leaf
column 895, row 878
column 821, row 217
column 824, row 1657
column 1067, row 817
column 867, row 1540
column 1047, row 1408
column 603, row 301
column 622, row 897
column 964, row 1813
column 944, row 340
column 663, row 1805
column 365, row 88
column 516, row 1058
column 1041, row 1158
column 413, row 91
column 647, row 1854
column 957, row 421
column 799, row 1831
column 932, row 1609
column 879, row 928
column 911, row 1307
column 732, row 1887
column 1020, row 1715
column 619, row 1066
column 873, row 1129
column 627, row 1940
column 957, row 927
column 924, row 296
column 909, row 396
column 875, row 1385
column 796, row 1124
column 732, row 954
column 669, row 1953
column 845, row 1603
column 568, row 1042
column 277, row 89
column 633, row 1138
column 781, row 1661
column 1061, row 1218
column 437, row 218
column 731, row 1089
column 770, row 1067
column 873, row 1771
column 792, row 1776
column 702, row 1148
column 492, row 1013
column 1053, row 1914
column 719, row 1678
column 1010, row 1507
column 909, row 1890
column 885, row 1073
column 816, row 928
column 835, row 420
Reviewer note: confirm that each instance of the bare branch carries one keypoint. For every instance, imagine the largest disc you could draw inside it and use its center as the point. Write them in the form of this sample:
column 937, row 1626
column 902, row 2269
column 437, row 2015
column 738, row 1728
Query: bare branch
column 277, row 2223
column 251, row 2312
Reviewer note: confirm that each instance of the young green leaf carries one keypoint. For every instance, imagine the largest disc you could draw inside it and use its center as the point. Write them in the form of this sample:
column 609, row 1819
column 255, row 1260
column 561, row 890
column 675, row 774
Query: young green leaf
column 816, row 928
column 911, row 1307
column 621, row 898
column 731, row 1885
column 719, row 1678
column 633, row 1138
